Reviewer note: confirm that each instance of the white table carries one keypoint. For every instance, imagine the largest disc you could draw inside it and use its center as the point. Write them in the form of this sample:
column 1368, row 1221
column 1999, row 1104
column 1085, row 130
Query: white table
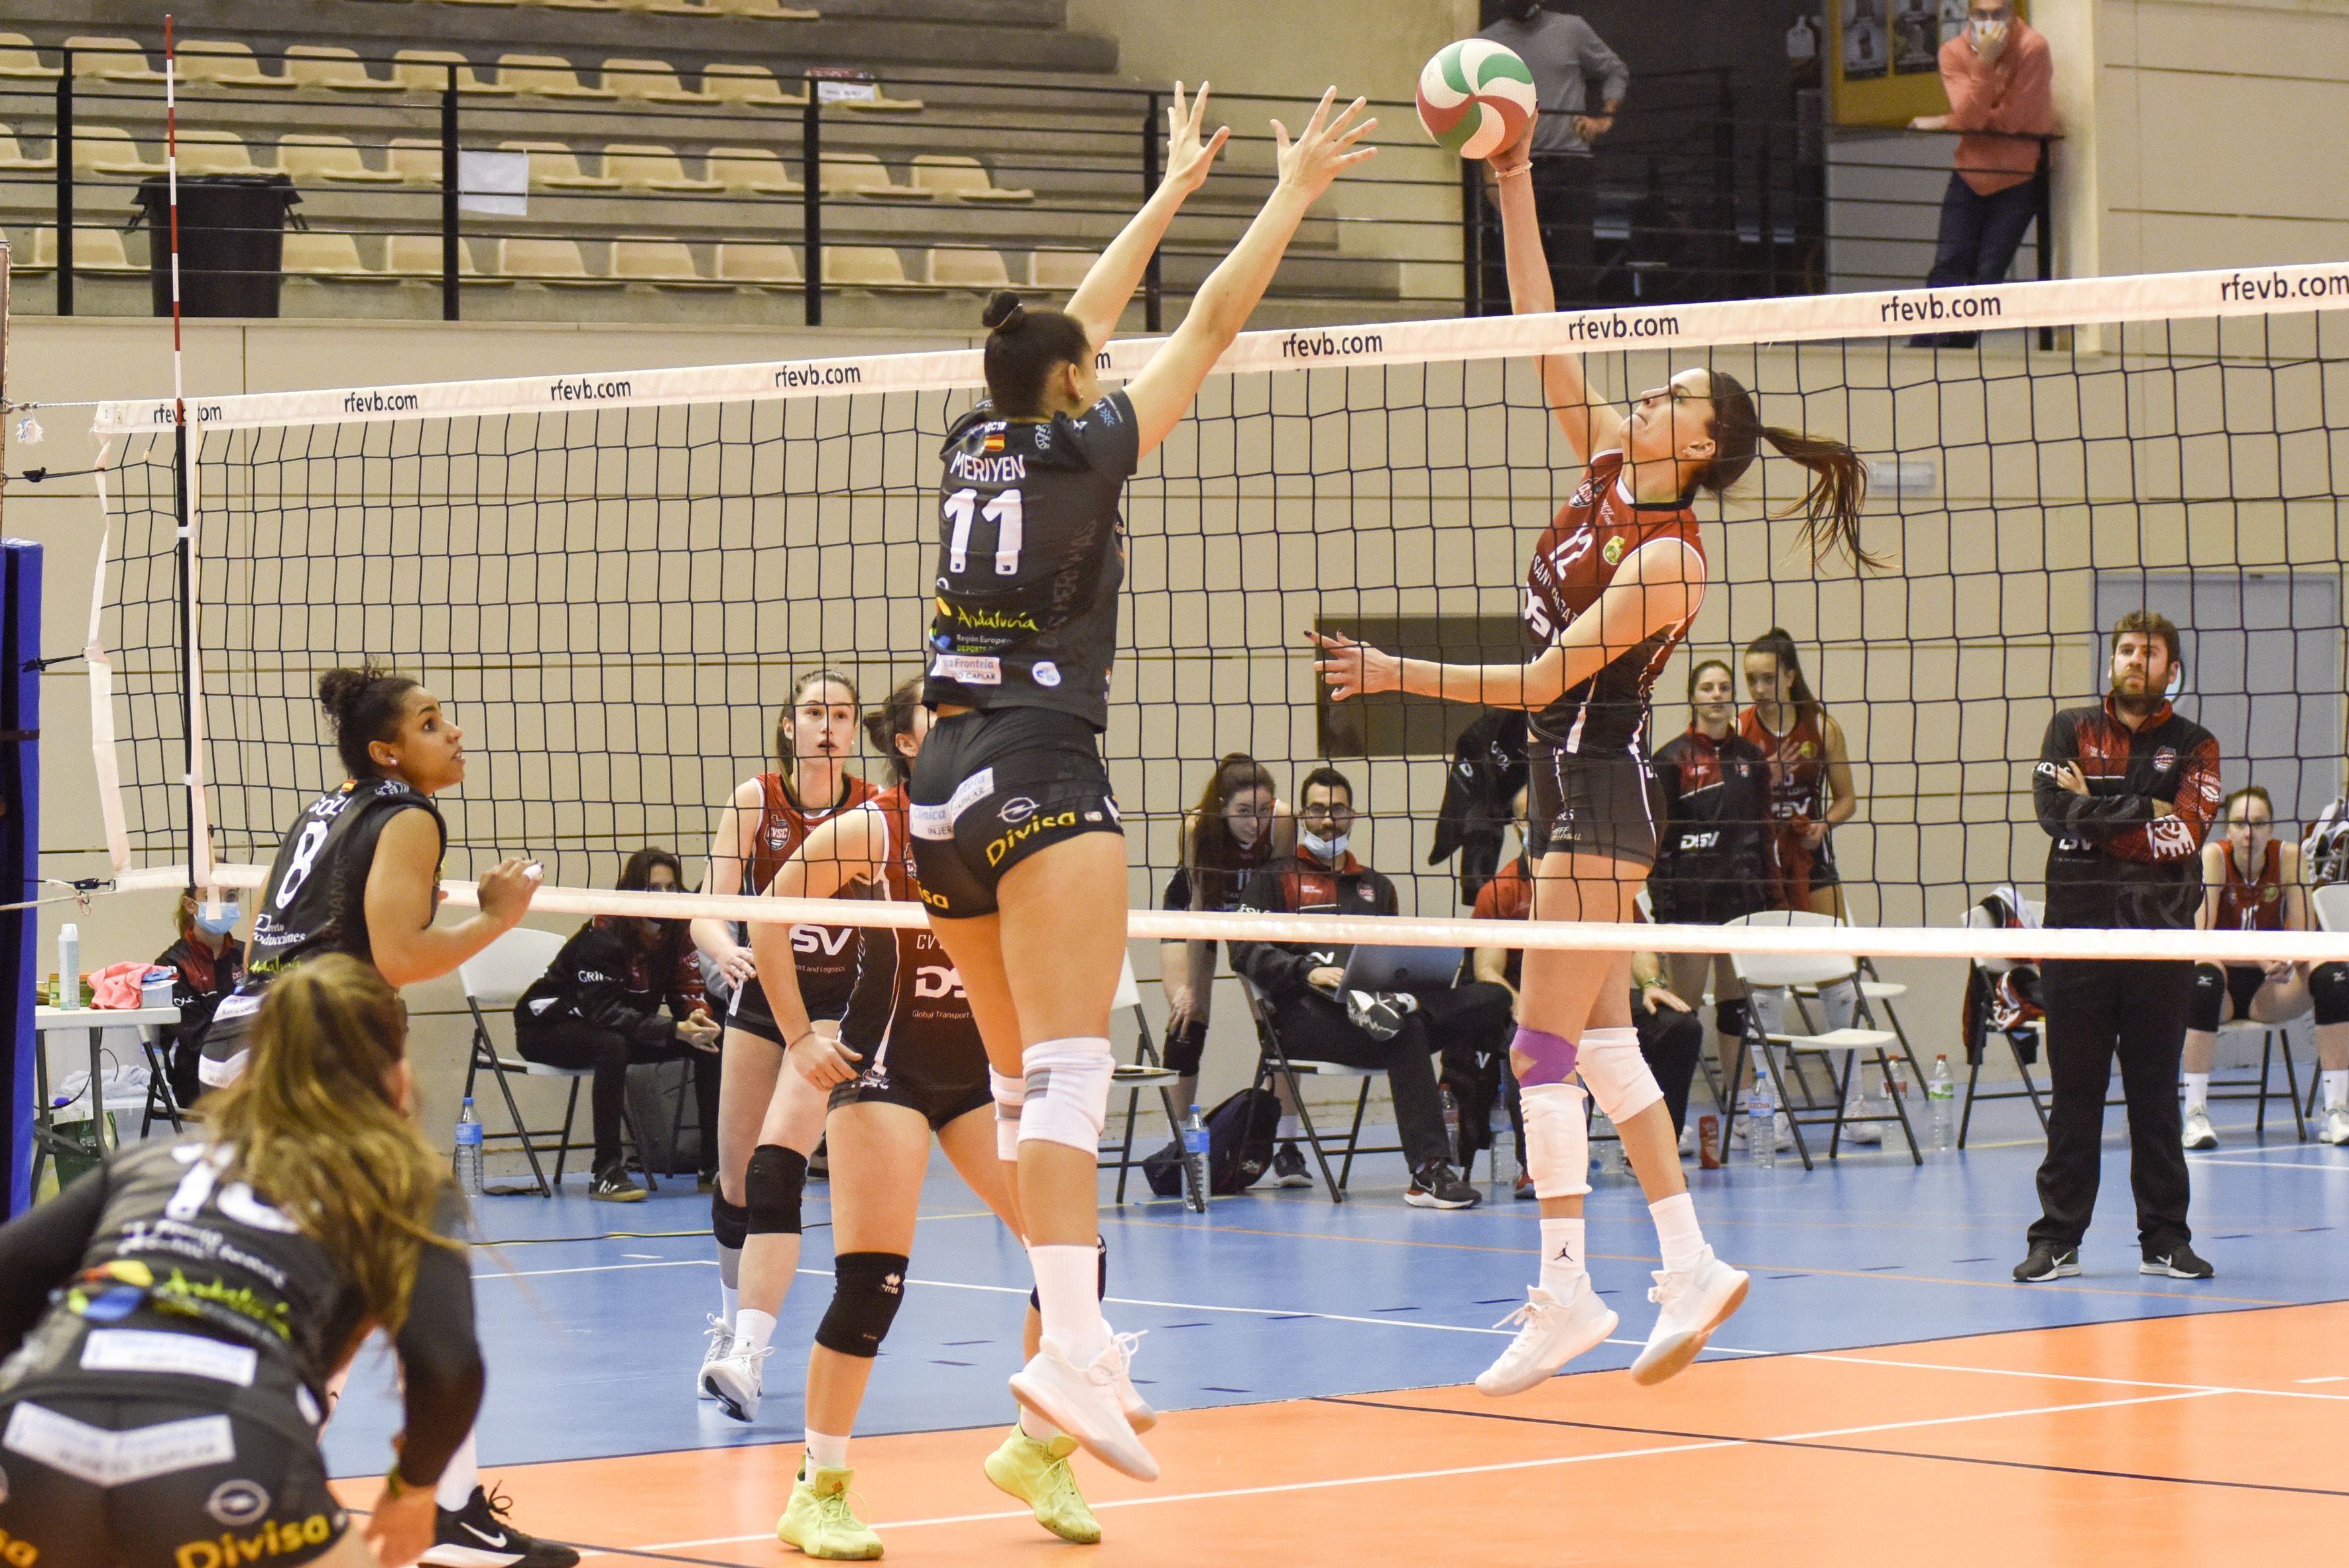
column 95, row 1022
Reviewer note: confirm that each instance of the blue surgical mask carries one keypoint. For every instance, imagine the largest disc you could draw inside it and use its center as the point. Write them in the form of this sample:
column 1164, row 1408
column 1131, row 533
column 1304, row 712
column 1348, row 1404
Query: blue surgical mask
column 220, row 926
column 1327, row 850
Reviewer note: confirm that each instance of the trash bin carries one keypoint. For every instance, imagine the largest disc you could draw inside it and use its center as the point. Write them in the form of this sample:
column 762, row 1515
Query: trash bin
column 231, row 241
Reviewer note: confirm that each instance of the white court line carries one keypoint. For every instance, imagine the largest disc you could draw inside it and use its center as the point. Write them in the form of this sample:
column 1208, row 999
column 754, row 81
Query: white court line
column 1495, row 1469
column 1201, row 1307
column 2062, row 1376
column 2320, row 1380
column 597, row 1268
column 2334, row 1170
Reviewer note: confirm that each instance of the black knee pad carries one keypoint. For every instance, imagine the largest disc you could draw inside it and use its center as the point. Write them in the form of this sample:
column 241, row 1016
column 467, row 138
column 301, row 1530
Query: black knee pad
column 1184, row 1047
column 2208, row 1004
column 729, row 1222
column 1729, row 1018
column 771, row 1189
column 1101, row 1286
column 2328, row 988
column 868, row 1289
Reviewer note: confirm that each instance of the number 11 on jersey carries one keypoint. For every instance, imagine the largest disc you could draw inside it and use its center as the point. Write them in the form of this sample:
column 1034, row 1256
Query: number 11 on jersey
column 1003, row 512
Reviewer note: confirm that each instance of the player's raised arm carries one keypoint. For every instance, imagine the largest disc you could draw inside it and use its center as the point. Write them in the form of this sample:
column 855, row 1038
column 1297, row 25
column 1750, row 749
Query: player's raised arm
column 1101, row 298
column 1164, row 388
column 1590, row 425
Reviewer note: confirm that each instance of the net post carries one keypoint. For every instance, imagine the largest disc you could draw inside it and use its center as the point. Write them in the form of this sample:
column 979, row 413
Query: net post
column 453, row 260
column 2045, row 219
column 20, row 817
column 812, row 202
column 1153, row 286
column 65, row 153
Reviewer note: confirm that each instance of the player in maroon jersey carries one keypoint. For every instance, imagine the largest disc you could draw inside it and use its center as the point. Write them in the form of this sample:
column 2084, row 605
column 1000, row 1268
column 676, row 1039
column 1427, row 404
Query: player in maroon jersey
column 2250, row 883
column 1614, row 583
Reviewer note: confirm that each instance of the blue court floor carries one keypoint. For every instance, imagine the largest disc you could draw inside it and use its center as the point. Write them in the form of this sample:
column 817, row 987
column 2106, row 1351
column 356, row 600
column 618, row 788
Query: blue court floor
column 592, row 1315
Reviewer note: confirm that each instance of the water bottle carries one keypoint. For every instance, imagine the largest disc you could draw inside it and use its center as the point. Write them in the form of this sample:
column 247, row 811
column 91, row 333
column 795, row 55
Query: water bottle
column 68, row 966
column 1761, row 1123
column 1195, row 1161
column 468, row 1150
column 1941, row 1090
column 1451, row 1125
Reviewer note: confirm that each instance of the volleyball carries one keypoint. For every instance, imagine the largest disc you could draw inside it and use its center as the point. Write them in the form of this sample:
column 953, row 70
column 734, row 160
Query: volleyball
column 1476, row 97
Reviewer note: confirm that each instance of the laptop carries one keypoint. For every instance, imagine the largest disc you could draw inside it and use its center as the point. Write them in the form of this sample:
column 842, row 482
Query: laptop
column 1372, row 968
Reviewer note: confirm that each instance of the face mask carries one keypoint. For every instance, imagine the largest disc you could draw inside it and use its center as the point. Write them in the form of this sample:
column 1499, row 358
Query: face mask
column 1319, row 848
column 227, row 922
column 1989, row 37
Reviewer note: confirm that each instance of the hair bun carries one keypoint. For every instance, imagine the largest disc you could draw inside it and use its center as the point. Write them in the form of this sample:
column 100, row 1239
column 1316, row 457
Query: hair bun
column 1004, row 312
column 340, row 689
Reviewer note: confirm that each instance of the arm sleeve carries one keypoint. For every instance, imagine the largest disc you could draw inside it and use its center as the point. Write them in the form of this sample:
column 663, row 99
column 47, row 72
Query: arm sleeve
column 2180, row 835
column 2066, row 815
column 1389, row 902
column 2026, row 107
column 1112, row 439
column 440, row 1360
column 1275, row 971
column 1961, row 86
column 41, row 1248
column 1597, row 60
column 596, row 962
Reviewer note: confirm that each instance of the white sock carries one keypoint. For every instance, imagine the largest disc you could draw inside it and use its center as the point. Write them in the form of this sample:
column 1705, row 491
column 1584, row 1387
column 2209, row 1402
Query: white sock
column 1840, row 1002
column 1677, row 1230
column 1035, row 1427
column 455, row 1487
column 2197, row 1090
column 826, row 1452
column 752, row 1330
column 729, row 1301
column 1563, row 1259
column 1291, row 1129
column 1068, row 1288
column 2337, row 1088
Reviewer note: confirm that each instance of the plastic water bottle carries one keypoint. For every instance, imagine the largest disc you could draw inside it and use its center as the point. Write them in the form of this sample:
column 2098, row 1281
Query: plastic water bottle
column 1941, row 1090
column 69, row 966
column 1195, row 1161
column 468, row 1150
column 1762, row 1124
column 1451, row 1125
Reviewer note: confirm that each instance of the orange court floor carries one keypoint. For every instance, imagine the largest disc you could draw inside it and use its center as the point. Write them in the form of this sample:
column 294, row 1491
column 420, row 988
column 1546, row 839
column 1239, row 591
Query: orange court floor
column 2210, row 1437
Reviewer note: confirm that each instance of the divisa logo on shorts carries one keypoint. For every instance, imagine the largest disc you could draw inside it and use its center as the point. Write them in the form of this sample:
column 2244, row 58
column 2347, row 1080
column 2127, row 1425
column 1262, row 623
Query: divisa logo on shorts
column 272, row 1540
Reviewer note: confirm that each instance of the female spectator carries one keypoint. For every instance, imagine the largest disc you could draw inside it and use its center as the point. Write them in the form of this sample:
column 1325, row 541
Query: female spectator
column 208, row 963
column 1239, row 825
column 308, row 1214
column 769, row 816
column 1710, row 858
column 2250, row 883
column 599, row 1004
column 1810, row 794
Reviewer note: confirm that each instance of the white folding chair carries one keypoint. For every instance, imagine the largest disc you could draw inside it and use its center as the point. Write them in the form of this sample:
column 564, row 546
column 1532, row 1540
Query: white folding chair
column 494, row 979
column 1978, row 919
column 1785, row 973
column 1145, row 1071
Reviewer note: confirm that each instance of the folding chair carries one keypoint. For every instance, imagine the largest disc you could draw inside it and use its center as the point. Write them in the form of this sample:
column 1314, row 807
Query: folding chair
column 1760, row 970
column 1976, row 1051
column 1144, row 1071
column 2260, row 1089
column 1275, row 1065
column 494, row 979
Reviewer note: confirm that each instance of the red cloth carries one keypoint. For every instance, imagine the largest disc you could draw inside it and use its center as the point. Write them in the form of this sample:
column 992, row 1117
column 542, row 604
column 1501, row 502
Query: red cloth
column 2015, row 93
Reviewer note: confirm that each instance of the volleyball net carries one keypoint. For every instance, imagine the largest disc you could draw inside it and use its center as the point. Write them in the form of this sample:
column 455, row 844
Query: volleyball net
column 613, row 581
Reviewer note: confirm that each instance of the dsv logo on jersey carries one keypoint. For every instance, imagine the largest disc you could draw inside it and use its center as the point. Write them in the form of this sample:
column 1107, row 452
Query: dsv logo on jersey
column 932, row 981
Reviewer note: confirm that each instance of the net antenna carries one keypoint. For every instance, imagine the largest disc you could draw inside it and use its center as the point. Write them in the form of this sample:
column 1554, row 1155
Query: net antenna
column 200, row 854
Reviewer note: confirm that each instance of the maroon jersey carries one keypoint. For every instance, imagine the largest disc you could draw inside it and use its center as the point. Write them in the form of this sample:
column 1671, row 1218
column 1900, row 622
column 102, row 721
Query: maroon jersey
column 826, row 954
column 907, row 1015
column 2256, row 905
column 1798, row 764
column 1594, row 533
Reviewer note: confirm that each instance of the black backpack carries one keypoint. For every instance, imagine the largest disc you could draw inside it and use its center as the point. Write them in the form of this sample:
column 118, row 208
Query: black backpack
column 1239, row 1148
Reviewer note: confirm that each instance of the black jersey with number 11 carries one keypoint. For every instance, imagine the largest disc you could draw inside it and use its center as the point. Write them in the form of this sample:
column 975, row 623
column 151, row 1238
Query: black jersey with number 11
column 1030, row 558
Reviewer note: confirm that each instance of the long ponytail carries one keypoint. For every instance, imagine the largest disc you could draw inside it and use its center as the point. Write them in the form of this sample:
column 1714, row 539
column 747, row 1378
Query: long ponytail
column 1838, row 485
column 314, row 1131
column 1794, row 690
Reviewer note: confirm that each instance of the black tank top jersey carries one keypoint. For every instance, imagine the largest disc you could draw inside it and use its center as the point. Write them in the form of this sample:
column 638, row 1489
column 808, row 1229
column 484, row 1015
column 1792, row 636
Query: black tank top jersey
column 315, row 899
column 209, row 1279
column 908, row 1002
column 1030, row 557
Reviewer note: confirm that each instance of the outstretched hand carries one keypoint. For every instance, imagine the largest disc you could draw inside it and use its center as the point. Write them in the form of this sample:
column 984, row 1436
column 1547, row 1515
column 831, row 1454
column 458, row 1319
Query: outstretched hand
column 1353, row 669
column 1326, row 148
column 1187, row 160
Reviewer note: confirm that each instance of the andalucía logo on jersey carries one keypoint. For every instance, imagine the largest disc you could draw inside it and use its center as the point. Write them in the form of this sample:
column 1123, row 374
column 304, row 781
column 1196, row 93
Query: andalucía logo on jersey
column 2268, row 894
column 1613, row 553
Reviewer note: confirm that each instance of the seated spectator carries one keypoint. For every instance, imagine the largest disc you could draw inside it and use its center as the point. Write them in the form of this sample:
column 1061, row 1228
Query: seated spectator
column 1395, row 1033
column 599, row 1005
column 2250, row 883
column 210, row 963
column 1238, row 826
column 1671, row 1037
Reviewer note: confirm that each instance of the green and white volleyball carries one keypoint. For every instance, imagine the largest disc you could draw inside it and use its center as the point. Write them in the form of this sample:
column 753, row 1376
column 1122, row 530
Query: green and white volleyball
column 1476, row 97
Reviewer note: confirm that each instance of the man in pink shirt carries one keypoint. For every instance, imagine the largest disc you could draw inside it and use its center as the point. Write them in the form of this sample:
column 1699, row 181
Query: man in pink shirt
column 2000, row 82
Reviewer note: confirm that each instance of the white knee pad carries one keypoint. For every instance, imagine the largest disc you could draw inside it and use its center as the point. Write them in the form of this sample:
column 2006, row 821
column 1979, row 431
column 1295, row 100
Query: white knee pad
column 1010, row 1094
column 1557, row 1141
column 1067, row 1092
column 1616, row 1073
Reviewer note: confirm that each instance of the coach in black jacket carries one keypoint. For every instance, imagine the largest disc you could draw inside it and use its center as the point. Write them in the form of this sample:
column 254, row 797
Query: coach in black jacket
column 2126, row 790
column 1315, row 1023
